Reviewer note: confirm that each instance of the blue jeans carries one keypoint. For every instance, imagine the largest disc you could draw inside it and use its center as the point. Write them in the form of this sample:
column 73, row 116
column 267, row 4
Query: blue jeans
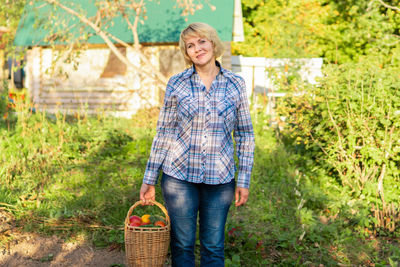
column 183, row 201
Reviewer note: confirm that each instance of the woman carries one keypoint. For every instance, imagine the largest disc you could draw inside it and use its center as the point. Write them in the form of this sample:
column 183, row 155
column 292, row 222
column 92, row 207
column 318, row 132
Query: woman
column 193, row 146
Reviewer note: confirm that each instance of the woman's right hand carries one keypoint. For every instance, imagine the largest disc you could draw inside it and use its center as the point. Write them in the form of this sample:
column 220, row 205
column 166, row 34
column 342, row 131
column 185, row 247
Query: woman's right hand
column 147, row 192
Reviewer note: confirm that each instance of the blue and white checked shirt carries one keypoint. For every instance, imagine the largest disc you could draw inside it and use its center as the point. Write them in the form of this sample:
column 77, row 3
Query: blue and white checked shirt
column 194, row 131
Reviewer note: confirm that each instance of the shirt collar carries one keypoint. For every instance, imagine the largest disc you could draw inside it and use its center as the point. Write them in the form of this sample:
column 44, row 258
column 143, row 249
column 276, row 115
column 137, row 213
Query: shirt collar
column 190, row 71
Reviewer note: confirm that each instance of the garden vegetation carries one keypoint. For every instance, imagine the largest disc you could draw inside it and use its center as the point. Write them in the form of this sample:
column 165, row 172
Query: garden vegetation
column 324, row 188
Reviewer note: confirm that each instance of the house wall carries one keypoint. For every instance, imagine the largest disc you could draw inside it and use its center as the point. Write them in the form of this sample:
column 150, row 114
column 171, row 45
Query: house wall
column 99, row 83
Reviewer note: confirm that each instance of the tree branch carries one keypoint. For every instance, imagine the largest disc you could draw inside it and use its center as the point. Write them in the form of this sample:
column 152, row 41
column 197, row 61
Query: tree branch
column 142, row 57
column 154, row 74
column 133, row 27
column 388, row 6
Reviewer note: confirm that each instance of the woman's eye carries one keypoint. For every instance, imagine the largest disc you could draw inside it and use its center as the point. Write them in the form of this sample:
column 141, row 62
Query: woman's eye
column 202, row 41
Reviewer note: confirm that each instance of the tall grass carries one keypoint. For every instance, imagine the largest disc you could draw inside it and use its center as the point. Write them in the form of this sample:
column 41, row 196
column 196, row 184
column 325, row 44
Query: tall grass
column 62, row 171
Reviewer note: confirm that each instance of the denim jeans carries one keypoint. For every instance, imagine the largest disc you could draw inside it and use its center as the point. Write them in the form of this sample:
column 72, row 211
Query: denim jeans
column 184, row 200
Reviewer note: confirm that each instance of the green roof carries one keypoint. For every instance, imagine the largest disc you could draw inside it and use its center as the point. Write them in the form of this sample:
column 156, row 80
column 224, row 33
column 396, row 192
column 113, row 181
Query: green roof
column 163, row 24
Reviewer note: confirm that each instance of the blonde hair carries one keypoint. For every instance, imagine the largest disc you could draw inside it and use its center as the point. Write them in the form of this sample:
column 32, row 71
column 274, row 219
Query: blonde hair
column 205, row 31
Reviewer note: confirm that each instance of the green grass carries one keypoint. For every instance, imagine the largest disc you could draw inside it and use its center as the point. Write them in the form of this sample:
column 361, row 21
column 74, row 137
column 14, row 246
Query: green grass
column 76, row 177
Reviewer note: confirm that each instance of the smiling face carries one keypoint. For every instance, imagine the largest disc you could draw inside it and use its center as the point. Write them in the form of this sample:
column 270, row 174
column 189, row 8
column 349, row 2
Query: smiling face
column 200, row 50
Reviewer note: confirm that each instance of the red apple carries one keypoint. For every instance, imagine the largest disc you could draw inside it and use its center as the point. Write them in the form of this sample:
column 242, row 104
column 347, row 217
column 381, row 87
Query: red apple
column 135, row 220
column 135, row 224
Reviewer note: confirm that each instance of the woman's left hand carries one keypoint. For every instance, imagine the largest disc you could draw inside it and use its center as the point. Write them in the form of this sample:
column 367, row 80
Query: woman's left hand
column 241, row 196
column 147, row 193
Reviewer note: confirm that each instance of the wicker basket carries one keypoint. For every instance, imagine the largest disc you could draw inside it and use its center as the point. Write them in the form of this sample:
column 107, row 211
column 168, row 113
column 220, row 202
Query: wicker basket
column 146, row 247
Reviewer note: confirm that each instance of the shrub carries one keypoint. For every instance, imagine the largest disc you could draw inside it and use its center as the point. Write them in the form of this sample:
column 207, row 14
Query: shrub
column 349, row 126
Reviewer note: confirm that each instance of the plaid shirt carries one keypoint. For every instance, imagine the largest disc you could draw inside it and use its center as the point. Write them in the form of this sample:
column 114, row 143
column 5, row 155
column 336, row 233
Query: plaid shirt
column 194, row 131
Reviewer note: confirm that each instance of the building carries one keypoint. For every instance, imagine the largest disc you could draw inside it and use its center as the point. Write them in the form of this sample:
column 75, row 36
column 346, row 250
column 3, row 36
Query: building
column 101, row 82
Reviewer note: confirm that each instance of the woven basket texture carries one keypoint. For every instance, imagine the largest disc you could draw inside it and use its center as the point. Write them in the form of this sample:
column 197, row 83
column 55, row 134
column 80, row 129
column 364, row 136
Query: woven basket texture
column 146, row 247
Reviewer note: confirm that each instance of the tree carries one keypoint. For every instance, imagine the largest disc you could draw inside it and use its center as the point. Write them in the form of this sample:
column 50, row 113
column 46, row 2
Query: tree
column 10, row 14
column 339, row 31
column 282, row 29
column 359, row 28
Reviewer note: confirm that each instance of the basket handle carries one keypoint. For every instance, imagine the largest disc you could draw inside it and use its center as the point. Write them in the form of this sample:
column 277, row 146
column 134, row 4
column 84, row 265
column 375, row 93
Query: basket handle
column 162, row 208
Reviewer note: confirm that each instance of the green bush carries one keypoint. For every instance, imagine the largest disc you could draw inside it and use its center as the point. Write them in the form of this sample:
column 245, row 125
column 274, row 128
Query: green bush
column 349, row 127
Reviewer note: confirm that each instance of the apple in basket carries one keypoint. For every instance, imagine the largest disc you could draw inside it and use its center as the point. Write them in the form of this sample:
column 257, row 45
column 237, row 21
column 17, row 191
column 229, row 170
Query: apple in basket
column 135, row 221
column 159, row 224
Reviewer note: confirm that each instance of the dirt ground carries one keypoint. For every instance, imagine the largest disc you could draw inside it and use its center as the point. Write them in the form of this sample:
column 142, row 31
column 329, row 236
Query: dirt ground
column 36, row 251
column 33, row 250
column 22, row 249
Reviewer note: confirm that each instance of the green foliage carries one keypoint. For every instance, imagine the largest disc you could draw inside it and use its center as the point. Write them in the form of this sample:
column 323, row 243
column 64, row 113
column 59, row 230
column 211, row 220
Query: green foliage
column 62, row 169
column 338, row 31
column 359, row 28
column 10, row 13
column 348, row 129
column 350, row 123
column 3, row 103
column 281, row 29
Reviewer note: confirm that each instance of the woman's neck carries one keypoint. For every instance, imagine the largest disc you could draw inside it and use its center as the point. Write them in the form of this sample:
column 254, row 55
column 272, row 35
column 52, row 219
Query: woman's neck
column 209, row 70
column 207, row 73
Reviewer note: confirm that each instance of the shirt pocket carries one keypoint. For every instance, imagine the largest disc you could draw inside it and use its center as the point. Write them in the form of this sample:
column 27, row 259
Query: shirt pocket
column 188, row 107
column 227, row 112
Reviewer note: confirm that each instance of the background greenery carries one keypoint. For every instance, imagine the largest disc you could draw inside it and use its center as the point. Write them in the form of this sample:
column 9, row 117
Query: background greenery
column 339, row 31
